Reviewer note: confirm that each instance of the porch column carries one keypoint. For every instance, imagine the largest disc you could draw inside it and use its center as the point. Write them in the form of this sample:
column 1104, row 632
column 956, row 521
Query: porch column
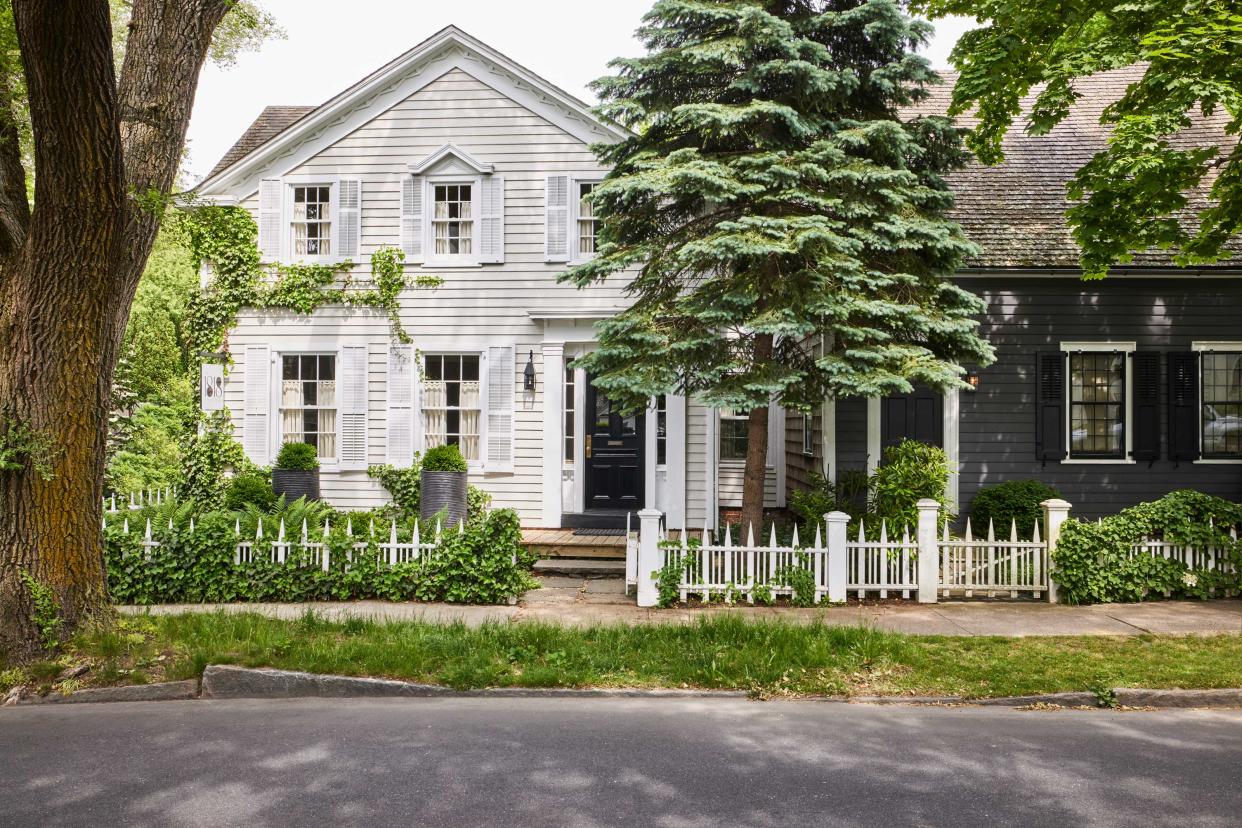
column 553, row 430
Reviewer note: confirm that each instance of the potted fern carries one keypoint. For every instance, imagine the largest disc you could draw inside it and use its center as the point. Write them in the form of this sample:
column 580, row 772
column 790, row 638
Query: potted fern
column 442, row 477
column 296, row 473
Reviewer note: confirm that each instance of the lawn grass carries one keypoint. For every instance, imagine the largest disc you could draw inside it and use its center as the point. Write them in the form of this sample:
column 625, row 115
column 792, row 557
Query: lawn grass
column 767, row 658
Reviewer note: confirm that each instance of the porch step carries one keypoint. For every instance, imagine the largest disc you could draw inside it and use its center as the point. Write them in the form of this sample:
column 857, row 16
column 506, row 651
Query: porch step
column 563, row 543
column 583, row 567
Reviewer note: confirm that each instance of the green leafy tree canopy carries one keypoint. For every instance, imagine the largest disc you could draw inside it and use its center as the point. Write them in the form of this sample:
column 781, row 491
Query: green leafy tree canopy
column 1143, row 191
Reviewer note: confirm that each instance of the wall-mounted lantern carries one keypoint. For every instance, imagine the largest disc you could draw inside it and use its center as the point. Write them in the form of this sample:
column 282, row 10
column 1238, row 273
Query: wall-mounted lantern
column 528, row 375
column 972, row 379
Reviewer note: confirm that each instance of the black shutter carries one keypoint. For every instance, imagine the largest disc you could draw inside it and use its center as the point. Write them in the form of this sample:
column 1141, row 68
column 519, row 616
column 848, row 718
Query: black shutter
column 1184, row 405
column 1146, row 405
column 1050, row 406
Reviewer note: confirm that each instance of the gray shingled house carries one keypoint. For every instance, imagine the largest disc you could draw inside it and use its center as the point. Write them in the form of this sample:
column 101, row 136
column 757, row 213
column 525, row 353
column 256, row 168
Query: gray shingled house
column 1114, row 392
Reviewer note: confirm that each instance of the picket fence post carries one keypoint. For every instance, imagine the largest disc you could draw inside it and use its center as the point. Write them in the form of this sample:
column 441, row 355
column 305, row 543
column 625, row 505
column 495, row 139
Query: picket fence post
column 838, row 527
column 648, row 556
column 1056, row 512
column 929, row 551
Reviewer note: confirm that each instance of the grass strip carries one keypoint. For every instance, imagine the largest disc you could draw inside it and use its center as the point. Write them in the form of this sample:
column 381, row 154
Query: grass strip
column 767, row 658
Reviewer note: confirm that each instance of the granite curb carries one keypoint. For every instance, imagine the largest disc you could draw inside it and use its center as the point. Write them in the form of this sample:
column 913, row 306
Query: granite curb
column 221, row 681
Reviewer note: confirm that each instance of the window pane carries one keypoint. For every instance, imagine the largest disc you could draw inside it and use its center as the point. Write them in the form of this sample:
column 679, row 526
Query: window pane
column 1222, row 404
column 289, row 367
column 1097, row 404
column 327, row 367
column 435, row 367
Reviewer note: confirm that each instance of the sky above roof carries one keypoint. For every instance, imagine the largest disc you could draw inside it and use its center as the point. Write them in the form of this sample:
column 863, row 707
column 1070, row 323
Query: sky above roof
column 331, row 45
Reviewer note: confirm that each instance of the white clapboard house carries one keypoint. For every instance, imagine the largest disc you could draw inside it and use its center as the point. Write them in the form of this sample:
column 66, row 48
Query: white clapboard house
column 477, row 168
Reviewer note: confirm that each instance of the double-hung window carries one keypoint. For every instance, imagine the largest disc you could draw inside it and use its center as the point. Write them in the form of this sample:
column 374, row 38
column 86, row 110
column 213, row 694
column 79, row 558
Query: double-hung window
column 1221, row 404
column 308, row 402
column 452, row 221
column 311, row 220
column 451, row 402
column 1099, row 400
column 587, row 225
column 733, row 426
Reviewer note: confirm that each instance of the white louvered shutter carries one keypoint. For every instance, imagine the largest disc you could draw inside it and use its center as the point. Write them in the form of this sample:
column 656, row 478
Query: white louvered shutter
column 256, row 421
column 556, row 220
column 271, row 218
column 351, row 384
column 349, row 218
column 412, row 218
column 402, row 380
column 500, row 380
column 492, row 221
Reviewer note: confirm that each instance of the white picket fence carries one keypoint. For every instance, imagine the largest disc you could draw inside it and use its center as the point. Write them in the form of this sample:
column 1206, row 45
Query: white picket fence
column 317, row 553
column 929, row 566
column 991, row 567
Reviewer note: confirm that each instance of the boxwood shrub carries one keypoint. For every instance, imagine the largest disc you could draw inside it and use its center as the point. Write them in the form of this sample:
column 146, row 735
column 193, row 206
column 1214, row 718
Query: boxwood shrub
column 1012, row 501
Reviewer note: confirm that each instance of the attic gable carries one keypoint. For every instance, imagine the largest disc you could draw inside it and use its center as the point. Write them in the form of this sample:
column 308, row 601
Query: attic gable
column 445, row 51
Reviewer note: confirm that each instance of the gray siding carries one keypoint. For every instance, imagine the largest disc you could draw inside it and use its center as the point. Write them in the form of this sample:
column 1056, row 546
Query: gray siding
column 1033, row 314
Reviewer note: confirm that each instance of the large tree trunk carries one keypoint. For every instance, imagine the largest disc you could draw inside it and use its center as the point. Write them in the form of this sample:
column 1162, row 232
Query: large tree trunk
column 104, row 157
column 756, row 452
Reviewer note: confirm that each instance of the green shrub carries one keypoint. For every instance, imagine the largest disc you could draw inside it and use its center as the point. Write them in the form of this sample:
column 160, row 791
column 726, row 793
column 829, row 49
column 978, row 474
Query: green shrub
column 848, row 494
column 1094, row 562
column 297, row 457
column 249, row 488
column 1012, row 501
column 911, row 472
column 484, row 563
column 446, row 458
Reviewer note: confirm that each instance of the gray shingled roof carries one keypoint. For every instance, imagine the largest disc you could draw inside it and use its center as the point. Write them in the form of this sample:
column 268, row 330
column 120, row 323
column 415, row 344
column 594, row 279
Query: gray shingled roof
column 272, row 121
column 1014, row 210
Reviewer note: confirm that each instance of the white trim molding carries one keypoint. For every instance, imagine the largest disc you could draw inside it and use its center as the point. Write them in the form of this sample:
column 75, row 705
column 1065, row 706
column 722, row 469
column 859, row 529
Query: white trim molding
column 1205, row 347
column 1097, row 346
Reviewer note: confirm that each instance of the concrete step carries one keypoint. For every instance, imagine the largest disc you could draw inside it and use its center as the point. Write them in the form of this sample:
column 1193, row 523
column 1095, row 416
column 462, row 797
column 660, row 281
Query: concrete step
column 585, row 567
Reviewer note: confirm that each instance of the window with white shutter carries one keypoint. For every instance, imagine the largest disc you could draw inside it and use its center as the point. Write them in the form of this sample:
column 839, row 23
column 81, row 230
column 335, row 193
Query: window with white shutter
column 556, row 219
column 402, row 382
column 256, row 425
column 412, row 218
column 492, row 220
column 271, row 218
column 501, row 371
column 349, row 218
column 352, row 405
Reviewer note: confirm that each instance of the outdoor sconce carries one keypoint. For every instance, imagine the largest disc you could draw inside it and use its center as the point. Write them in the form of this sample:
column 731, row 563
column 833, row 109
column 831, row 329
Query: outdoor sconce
column 972, row 379
column 528, row 375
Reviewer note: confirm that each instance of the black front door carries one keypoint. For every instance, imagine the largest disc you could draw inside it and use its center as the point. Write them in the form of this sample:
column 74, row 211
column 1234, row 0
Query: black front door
column 918, row 415
column 614, row 454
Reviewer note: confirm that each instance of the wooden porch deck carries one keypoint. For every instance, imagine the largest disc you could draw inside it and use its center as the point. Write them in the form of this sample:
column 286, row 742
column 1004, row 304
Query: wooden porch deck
column 563, row 543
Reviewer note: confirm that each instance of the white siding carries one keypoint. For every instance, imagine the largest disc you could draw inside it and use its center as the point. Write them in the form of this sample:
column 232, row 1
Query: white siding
column 476, row 306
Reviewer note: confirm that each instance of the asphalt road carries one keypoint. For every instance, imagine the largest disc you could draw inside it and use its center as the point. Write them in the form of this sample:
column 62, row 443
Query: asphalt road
column 580, row 762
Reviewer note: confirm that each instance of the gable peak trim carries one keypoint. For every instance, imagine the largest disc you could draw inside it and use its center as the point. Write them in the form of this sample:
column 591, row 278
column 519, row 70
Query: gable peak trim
column 446, row 151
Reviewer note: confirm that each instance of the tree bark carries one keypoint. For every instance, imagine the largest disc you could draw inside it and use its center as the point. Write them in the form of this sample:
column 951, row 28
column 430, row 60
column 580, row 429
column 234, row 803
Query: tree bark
column 105, row 155
column 756, row 451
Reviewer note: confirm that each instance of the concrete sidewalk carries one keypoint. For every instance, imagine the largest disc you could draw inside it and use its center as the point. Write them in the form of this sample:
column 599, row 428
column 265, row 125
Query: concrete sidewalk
column 586, row 601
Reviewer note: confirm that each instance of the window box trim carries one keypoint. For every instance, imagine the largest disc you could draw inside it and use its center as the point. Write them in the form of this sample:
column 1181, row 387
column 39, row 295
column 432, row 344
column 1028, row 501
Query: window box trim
column 1128, row 349
column 333, row 182
column 574, row 216
column 430, row 182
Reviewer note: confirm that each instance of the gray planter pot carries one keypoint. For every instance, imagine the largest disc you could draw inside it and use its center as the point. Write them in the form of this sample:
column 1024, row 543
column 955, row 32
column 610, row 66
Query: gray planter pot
column 295, row 483
column 443, row 490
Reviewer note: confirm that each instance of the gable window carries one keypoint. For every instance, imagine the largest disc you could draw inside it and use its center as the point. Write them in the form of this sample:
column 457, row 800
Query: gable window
column 311, row 223
column 733, row 425
column 1221, row 409
column 308, row 402
column 588, row 224
column 451, row 402
column 452, row 222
